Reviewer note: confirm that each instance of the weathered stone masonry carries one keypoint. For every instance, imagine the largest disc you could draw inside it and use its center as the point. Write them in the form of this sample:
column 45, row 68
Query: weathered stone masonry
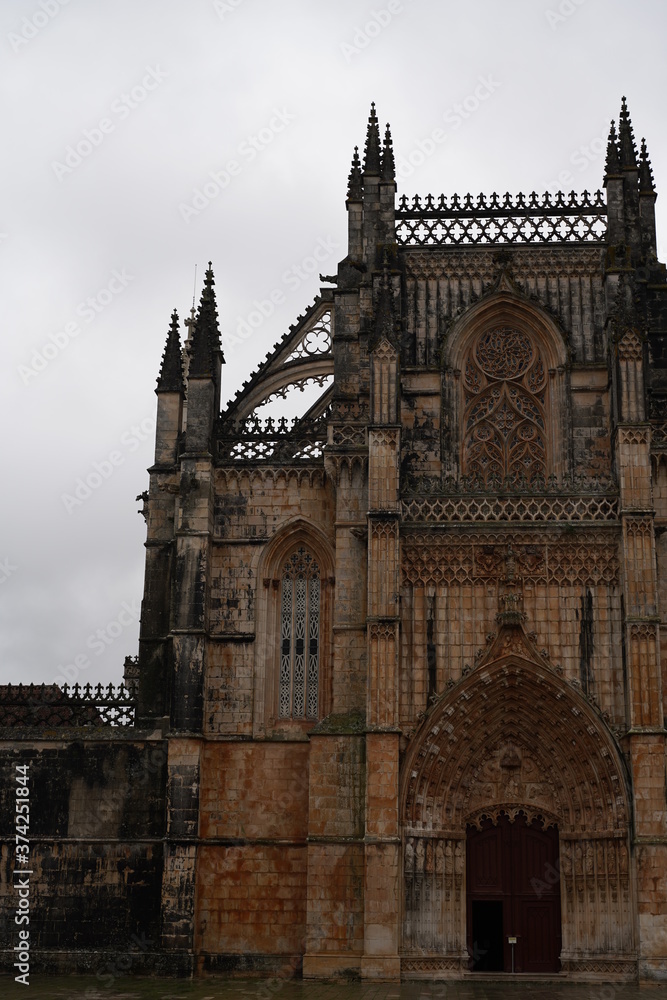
column 386, row 643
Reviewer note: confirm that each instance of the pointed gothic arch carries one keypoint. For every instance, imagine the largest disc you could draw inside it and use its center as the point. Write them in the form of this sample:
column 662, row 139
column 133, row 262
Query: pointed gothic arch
column 512, row 737
column 293, row 651
column 504, row 392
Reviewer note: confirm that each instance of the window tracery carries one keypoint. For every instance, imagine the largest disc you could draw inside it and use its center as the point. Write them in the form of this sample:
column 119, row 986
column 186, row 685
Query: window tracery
column 505, row 405
column 299, row 637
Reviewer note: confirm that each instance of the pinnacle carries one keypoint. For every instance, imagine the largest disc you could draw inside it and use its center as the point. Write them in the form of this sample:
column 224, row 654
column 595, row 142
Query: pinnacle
column 613, row 164
column 372, row 147
column 646, row 183
column 388, row 162
column 171, row 369
column 206, row 335
column 628, row 149
column 355, row 183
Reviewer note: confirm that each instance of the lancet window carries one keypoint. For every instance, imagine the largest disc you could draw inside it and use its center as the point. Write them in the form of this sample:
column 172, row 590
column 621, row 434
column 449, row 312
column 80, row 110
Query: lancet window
column 505, row 408
column 299, row 637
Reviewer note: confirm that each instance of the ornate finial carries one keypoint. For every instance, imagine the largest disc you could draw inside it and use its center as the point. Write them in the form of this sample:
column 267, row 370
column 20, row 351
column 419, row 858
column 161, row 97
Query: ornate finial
column 646, row 184
column 613, row 164
column 355, row 182
column 170, row 378
column 372, row 148
column 206, row 334
column 388, row 162
column 628, row 148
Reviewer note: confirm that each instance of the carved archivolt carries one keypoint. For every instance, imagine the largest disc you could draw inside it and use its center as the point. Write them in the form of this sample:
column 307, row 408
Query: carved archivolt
column 512, row 738
column 567, row 762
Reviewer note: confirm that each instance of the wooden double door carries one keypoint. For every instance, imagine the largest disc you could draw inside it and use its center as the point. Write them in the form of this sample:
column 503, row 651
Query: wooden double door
column 513, row 893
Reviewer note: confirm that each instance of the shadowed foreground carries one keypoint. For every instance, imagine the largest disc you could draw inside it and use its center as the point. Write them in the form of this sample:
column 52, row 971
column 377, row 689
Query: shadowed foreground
column 88, row 988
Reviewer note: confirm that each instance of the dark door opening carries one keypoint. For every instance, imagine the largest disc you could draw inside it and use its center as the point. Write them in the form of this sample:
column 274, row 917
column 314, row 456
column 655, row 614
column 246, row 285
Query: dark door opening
column 487, row 935
column 513, row 895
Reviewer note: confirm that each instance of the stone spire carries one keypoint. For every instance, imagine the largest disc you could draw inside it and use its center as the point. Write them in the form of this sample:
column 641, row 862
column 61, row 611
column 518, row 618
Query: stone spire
column 372, row 148
column 355, row 182
column 626, row 139
column 647, row 197
column 613, row 164
column 388, row 163
column 170, row 378
column 646, row 185
column 206, row 335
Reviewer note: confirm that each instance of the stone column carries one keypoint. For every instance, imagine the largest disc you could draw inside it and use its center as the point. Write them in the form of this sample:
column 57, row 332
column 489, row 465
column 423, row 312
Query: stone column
column 646, row 735
column 382, row 841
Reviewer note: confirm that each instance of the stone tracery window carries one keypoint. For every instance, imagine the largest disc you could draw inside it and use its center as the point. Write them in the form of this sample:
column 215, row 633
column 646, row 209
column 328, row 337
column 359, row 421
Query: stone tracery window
column 299, row 637
column 504, row 417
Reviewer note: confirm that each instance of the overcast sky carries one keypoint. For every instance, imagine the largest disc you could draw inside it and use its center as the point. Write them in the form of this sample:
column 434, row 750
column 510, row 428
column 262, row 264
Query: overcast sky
column 117, row 112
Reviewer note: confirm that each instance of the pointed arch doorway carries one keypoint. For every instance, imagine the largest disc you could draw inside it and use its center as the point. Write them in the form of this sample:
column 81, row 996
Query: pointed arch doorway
column 513, row 737
column 513, row 896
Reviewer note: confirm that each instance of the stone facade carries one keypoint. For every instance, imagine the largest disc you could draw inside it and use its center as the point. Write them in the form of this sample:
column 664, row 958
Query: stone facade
column 428, row 613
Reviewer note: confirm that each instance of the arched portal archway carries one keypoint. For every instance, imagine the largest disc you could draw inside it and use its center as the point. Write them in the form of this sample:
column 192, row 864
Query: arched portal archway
column 512, row 737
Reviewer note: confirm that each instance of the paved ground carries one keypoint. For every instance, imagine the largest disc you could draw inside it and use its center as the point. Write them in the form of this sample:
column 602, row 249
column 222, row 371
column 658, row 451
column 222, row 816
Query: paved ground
column 84, row 988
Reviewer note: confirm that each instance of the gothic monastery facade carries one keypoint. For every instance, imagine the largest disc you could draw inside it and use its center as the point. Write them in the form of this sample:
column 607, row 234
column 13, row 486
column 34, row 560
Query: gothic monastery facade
column 398, row 709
